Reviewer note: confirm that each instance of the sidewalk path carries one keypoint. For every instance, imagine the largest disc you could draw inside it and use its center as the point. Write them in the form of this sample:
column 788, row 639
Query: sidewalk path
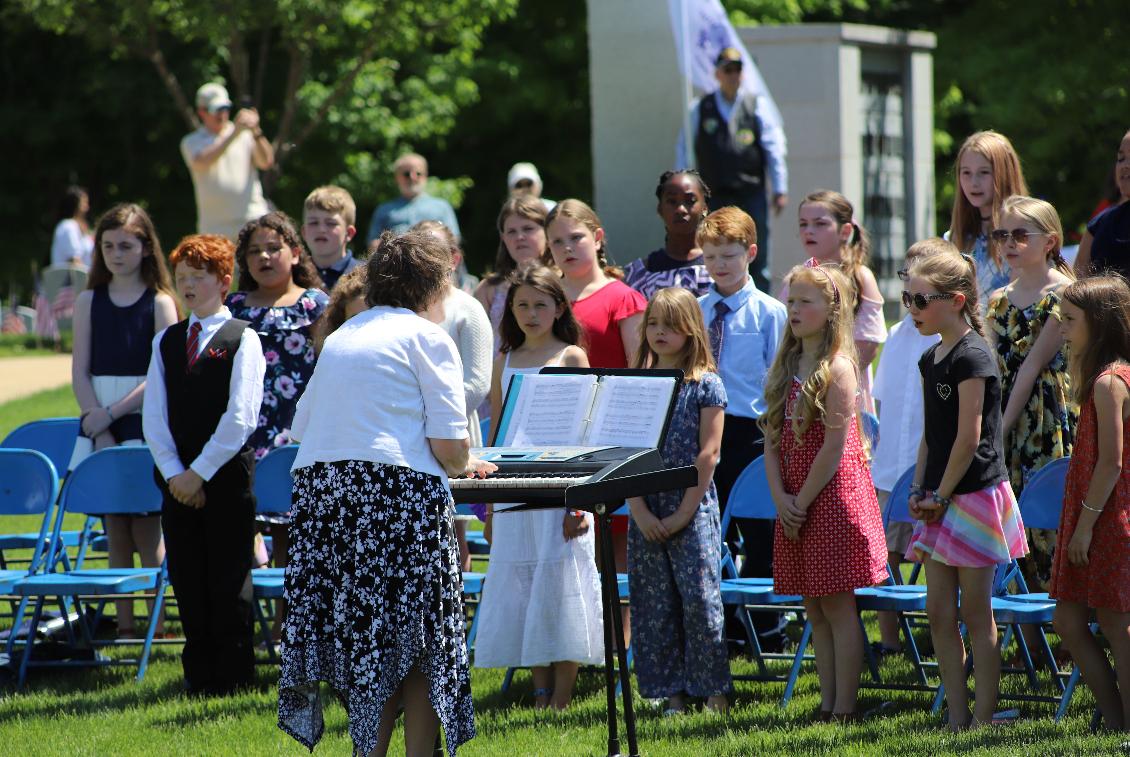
column 21, row 376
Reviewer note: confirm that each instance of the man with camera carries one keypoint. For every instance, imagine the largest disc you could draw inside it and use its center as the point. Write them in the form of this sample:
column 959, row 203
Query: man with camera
column 224, row 157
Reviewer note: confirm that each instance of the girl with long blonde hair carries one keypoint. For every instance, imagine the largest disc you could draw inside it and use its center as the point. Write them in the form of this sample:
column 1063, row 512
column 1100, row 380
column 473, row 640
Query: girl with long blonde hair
column 829, row 535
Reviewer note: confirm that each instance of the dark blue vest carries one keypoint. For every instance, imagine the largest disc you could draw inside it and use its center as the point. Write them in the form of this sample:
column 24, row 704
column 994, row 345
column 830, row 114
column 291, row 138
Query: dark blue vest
column 729, row 155
column 198, row 397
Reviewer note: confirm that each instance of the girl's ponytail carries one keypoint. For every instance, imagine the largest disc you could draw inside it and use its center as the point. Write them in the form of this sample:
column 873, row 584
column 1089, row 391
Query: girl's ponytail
column 972, row 309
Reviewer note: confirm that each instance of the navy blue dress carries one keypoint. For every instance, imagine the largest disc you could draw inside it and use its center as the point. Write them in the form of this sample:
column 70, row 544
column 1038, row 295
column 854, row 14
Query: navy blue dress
column 676, row 600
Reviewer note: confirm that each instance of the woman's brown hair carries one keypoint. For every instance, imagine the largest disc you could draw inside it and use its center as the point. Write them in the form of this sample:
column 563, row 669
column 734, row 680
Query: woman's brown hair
column 856, row 252
column 409, row 271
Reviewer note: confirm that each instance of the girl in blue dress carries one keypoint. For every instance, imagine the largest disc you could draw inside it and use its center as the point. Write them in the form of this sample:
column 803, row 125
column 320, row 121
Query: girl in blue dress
column 674, row 540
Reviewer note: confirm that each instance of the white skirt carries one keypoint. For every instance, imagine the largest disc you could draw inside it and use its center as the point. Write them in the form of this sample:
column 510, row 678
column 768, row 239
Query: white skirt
column 108, row 390
column 541, row 598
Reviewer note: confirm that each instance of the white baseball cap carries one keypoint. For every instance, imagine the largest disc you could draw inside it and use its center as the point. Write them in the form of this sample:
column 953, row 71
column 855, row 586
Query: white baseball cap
column 523, row 171
column 212, row 97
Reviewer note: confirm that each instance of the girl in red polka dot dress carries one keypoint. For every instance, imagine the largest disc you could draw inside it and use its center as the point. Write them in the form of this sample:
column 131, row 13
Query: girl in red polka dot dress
column 829, row 534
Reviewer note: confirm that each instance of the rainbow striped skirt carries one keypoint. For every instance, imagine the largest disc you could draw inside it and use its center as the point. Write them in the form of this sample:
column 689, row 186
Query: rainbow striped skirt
column 978, row 530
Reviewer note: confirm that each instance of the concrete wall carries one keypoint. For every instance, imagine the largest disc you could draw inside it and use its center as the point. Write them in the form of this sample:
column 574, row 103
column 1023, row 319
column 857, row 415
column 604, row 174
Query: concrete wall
column 814, row 72
column 636, row 92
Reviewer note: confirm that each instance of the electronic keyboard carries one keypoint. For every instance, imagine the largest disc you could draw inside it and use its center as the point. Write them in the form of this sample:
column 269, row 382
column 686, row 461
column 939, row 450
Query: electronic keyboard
column 577, row 477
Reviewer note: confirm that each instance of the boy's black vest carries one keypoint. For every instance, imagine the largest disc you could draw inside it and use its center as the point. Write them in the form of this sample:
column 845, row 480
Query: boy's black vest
column 730, row 159
column 198, row 397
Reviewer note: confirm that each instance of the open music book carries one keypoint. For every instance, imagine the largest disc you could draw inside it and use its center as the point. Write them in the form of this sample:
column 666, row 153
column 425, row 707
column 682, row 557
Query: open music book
column 586, row 410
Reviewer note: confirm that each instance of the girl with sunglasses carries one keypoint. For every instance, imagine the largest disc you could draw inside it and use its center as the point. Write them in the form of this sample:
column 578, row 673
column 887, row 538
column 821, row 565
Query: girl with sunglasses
column 1023, row 320
column 968, row 521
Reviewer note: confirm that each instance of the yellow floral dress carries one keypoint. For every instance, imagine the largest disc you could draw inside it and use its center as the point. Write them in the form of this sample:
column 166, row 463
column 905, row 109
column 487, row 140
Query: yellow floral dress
column 1045, row 430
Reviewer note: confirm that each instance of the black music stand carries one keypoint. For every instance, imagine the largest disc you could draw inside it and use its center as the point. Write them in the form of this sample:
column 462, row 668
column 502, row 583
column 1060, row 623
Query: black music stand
column 609, row 588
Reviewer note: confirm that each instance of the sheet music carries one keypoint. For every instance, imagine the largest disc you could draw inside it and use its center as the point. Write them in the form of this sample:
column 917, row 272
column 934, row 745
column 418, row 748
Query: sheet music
column 547, row 410
column 630, row 411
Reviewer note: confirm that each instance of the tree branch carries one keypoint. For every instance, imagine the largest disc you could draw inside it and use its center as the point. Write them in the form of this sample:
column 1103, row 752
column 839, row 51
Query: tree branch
column 152, row 51
column 299, row 57
column 261, row 65
column 343, row 86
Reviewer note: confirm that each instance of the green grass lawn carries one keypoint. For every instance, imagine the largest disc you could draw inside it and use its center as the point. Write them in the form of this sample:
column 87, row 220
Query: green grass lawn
column 104, row 711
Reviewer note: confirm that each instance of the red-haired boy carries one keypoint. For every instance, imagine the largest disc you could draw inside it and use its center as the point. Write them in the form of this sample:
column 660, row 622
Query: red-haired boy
column 202, row 398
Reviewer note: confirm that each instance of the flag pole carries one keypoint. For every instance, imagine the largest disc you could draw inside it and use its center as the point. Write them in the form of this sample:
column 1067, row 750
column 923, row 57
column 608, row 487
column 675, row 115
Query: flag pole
column 688, row 88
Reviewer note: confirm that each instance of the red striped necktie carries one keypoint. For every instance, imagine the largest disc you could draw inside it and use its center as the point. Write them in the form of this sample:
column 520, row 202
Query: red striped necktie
column 192, row 351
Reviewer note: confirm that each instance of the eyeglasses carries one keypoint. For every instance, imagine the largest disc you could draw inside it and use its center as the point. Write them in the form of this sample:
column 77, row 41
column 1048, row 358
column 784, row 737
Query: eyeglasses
column 922, row 301
column 1020, row 236
column 732, row 68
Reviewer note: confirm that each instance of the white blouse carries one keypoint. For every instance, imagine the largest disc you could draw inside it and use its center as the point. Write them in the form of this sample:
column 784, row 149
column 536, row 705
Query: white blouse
column 385, row 382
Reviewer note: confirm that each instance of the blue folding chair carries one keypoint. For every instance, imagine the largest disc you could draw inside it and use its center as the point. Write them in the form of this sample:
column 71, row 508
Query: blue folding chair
column 870, row 423
column 750, row 499
column 55, row 438
column 115, row 481
column 28, row 485
column 273, row 487
column 896, row 597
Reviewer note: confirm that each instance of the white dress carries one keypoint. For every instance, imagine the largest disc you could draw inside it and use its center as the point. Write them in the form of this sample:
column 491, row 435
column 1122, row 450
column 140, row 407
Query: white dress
column 541, row 597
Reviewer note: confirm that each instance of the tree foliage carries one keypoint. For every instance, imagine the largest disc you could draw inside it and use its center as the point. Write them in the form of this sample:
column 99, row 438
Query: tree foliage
column 342, row 87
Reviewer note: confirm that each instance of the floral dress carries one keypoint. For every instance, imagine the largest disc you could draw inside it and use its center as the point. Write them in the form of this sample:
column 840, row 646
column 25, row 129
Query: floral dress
column 374, row 591
column 675, row 586
column 288, row 347
column 1045, row 430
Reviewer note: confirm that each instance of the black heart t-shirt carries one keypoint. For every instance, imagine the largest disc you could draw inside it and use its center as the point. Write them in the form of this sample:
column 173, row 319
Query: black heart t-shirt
column 970, row 358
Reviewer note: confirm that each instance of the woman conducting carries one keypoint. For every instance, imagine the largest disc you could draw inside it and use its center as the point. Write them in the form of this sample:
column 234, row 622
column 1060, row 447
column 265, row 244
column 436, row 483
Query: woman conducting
column 373, row 584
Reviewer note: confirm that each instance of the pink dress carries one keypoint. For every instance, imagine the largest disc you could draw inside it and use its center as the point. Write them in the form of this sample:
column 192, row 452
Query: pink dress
column 841, row 546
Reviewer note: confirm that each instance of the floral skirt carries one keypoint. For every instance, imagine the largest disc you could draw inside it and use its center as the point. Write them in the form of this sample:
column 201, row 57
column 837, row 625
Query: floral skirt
column 978, row 530
column 374, row 590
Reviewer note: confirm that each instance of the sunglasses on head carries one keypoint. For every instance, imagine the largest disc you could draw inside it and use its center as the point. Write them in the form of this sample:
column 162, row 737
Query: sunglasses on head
column 922, row 301
column 1020, row 236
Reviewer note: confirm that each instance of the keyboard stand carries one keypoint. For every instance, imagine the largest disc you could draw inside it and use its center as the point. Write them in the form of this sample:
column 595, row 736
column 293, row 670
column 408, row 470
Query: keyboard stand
column 614, row 637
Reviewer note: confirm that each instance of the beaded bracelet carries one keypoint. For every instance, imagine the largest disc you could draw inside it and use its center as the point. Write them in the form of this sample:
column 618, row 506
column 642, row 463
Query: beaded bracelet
column 943, row 501
column 916, row 490
column 1092, row 509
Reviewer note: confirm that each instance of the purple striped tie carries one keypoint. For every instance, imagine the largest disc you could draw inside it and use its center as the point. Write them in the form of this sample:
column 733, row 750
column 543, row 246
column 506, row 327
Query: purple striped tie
column 717, row 330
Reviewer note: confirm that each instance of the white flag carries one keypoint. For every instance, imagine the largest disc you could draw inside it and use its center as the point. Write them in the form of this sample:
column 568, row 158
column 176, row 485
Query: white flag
column 702, row 29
